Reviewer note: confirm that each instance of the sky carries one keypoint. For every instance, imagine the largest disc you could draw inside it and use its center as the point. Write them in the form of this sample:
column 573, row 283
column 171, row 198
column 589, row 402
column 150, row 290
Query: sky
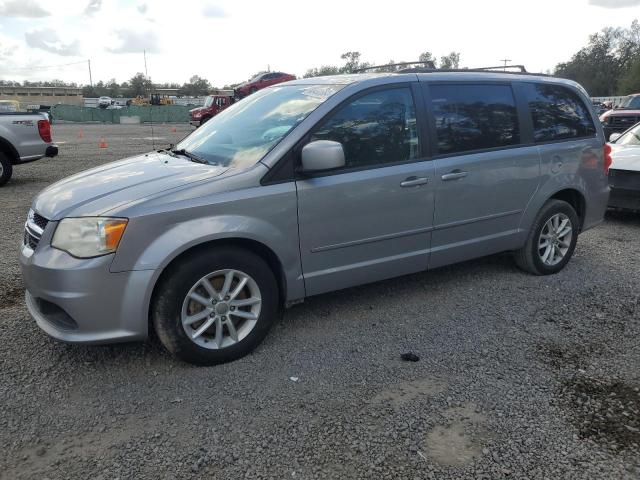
column 228, row 41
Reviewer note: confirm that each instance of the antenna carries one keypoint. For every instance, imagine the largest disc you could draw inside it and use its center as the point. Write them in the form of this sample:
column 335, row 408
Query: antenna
column 146, row 74
column 505, row 61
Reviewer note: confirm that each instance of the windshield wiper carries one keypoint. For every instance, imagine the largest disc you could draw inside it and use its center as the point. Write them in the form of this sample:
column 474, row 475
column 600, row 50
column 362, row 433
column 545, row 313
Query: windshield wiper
column 193, row 157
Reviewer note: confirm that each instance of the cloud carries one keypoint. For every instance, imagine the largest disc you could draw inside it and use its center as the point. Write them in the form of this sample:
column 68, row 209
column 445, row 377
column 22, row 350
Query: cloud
column 143, row 8
column 22, row 8
column 213, row 11
column 47, row 39
column 614, row 3
column 132, row 41
column 93, row 7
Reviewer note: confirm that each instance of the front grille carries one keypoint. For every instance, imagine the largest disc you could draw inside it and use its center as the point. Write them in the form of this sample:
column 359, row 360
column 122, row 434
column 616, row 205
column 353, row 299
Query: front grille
column 624, row 179
column 33, row 229
column 40, row 221
column 30, row 240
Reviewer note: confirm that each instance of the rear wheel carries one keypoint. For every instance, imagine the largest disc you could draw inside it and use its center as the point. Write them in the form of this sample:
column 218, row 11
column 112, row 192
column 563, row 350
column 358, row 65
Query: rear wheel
column 551, row 241
column 6, row 169
column 216, row 306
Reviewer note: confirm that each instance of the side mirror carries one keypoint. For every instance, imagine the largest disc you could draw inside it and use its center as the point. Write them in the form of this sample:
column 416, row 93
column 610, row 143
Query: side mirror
column 614, row 136
column 322, row 155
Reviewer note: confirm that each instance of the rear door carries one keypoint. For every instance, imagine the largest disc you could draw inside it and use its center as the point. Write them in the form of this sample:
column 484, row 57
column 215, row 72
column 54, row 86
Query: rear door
column 484, row 176
column 372, row 219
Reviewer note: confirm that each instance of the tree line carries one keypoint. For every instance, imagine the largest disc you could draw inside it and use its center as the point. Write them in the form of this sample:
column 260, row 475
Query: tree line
column 609, row 64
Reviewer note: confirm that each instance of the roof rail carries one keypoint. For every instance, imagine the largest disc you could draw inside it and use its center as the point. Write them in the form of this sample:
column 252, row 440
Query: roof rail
column 521, row 70
column 429, row 65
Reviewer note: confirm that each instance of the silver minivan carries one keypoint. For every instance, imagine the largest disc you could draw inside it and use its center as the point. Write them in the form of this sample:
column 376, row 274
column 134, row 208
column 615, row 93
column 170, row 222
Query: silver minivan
column 311, row 186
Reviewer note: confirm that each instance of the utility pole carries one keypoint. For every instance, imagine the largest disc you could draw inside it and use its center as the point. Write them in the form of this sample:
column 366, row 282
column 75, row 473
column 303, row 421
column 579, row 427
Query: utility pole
column 505, row 60
column 90, row 79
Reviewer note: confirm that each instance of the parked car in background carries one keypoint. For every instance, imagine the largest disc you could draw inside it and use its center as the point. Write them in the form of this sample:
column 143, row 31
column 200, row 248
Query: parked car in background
column 622, row 116
column 260, row 81
column 9, row 106
column 104, row 102
column 624, row 174
column 24, row 137
column 213, row 105
column 313, row 186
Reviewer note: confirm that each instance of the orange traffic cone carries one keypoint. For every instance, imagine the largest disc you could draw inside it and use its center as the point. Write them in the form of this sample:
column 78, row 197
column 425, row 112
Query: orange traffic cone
column 80, row 134
column 173, row 130
column 103, row 143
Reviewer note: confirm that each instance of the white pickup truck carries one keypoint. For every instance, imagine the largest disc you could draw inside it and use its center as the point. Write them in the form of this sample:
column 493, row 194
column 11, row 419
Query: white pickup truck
column 24, row 137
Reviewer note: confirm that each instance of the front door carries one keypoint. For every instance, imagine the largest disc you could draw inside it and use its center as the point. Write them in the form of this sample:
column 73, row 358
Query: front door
column 372, row 219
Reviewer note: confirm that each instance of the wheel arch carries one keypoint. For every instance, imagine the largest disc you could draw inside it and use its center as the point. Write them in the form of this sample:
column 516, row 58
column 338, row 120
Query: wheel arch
column 9, row 150
column 259, row 248
column 575, row 198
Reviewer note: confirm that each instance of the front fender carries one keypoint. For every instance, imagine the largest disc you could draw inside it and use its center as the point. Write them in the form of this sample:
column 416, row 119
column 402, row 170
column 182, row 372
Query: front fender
column 152, row 242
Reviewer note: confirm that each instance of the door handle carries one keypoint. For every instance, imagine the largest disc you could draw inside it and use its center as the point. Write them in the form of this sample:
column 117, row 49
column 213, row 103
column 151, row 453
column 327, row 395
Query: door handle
column 414, row 182
column 455, row 175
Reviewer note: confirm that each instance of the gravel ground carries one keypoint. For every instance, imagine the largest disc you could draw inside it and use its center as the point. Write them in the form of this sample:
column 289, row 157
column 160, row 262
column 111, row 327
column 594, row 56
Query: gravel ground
column 519, row 376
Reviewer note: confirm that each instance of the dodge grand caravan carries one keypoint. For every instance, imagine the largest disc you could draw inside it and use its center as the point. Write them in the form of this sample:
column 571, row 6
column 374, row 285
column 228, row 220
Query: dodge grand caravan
column 311, row 186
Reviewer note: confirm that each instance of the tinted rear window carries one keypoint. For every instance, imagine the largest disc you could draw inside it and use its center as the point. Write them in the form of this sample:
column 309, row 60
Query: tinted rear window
column 474, row 117
column 557, row 113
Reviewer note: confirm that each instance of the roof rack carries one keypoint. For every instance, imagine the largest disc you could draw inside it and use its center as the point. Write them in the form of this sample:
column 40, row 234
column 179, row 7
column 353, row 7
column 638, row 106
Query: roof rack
column 521, row 70
column 428, row 65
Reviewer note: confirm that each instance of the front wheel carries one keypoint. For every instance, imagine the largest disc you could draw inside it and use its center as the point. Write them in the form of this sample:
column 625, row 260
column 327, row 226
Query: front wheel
column 551, row 241
column 6, row 169
column 215, row 306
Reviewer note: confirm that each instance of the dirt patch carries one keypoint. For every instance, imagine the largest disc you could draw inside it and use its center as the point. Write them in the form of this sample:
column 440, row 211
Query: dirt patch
column 408, row 391
column 10, row 295
column 574, row 355
column 606, row 411
column 460, row 441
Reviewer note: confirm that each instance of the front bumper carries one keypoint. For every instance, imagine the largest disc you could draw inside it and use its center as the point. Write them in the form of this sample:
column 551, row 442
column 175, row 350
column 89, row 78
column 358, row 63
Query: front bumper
column 80, row 300
column 195, row 123
column 625, row 189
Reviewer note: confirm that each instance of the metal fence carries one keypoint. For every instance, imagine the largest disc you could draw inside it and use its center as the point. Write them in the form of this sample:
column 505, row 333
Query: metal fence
column 142, row 114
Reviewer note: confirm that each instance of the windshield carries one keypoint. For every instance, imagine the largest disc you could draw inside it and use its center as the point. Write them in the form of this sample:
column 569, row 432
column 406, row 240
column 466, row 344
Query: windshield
column 242, row 134
column 631, row 101
column 631, row 137
column 208, row 101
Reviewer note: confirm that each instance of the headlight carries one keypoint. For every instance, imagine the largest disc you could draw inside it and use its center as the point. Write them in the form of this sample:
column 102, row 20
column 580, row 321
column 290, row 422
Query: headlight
column 86, row 237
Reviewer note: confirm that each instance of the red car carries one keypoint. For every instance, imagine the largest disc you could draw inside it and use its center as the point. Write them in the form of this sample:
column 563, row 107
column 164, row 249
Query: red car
column 213, row 105
column 262, row 80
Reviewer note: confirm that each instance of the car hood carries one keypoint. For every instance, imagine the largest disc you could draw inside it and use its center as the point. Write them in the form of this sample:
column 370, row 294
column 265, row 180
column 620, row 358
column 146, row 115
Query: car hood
column 625, row 157
column 197, row 109
column 619, row 112
column 109, row 186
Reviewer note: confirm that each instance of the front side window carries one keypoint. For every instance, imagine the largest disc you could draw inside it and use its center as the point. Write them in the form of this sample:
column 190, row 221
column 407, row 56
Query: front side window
column 474, row 117
column 240, row 135
column 557, row 113
column 631, row 137
column 374, row 129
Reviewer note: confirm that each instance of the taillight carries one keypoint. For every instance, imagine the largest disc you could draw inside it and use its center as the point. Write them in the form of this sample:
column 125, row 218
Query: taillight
column 44, row 129
column 607, row 158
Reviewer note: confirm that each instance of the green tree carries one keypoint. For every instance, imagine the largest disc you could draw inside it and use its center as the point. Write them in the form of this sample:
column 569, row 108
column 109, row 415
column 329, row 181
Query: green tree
column 451, row 61
column 428, row 59
column 139, row 85
column 195, row 87
column 630, row 81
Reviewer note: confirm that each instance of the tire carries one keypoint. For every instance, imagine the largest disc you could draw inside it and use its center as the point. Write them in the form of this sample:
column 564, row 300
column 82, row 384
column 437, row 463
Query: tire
column 531, row 257
column 6, row 169
column 170, row 306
